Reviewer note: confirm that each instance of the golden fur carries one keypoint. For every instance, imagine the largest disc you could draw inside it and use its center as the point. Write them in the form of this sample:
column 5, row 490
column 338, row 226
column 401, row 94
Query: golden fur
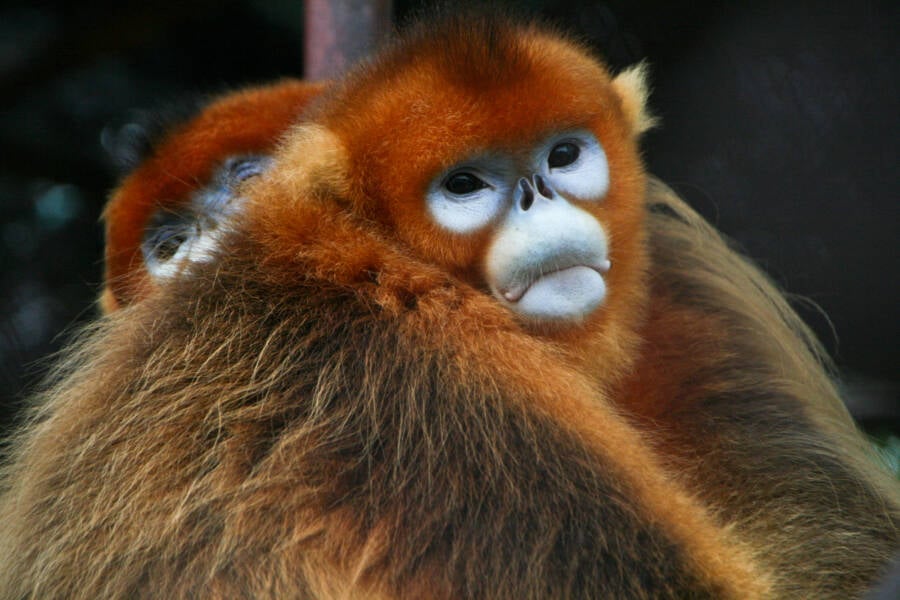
column 735, row 389
column 336, row 408
column 239, row 434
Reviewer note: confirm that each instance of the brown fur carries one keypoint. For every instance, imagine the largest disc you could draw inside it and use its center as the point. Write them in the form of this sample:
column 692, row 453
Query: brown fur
column 440, row 94
column 337, row 409
column 734, row 387
column 704, row 352
column 239, row 433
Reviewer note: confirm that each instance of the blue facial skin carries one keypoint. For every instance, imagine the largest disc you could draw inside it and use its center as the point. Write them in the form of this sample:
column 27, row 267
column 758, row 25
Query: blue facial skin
column 173, row 233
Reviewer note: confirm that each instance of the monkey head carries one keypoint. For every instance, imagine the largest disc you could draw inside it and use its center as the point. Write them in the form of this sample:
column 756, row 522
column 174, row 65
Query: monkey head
column 505, row 155
column 170, row 211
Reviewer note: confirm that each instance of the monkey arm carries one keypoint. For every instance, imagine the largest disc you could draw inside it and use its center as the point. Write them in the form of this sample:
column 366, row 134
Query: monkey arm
column 284, row 424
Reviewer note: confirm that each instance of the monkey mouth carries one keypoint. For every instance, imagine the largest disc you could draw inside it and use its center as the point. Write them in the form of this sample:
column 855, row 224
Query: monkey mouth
column 562, row 279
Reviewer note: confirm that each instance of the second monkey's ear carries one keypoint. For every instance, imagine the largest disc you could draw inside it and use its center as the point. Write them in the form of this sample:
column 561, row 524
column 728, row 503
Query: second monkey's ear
column 633, row 89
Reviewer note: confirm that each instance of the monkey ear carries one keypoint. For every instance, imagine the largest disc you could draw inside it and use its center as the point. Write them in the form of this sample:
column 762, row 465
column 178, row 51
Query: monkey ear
column 633, row 89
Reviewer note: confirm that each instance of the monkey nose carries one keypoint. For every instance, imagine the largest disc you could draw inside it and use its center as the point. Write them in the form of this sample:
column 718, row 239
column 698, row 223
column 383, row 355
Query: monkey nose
column 524, row 194
column 543, row 188
column 526, row 189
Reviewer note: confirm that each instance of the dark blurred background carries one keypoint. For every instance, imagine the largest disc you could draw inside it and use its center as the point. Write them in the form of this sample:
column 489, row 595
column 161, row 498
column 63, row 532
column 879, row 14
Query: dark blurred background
column 779, row 124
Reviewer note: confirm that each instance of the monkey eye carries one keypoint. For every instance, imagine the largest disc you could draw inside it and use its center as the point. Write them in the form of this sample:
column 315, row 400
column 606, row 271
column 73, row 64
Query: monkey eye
column 463, row 183
column 467, row 196
column 165, row 235
column 574, row 164
column 563, row 155
column 241, row 168
column 167, row 243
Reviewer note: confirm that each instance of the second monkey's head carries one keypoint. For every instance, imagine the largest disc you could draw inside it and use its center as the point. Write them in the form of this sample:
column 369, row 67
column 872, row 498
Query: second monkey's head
column 503, row 153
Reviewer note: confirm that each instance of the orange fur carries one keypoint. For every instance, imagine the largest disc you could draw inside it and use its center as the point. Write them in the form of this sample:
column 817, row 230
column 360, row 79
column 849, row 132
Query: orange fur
column 351, row 259
column 242, row 122
column 337, row 408
column 437, row 97
column 462, row 95
column 239, row 433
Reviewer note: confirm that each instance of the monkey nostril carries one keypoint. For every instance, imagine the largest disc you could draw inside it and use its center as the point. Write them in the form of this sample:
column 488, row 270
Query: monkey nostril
column 543, row 189
column 527, row 194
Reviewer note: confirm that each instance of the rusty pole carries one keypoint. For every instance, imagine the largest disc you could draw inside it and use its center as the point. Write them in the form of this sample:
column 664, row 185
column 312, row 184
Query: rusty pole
column 340, row 32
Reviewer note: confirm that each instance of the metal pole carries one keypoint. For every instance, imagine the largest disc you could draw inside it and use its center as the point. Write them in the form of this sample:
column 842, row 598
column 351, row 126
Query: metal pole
column 340, row 32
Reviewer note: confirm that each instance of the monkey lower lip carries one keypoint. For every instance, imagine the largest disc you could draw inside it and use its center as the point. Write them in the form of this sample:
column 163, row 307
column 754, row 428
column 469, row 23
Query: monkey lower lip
column 514, row 293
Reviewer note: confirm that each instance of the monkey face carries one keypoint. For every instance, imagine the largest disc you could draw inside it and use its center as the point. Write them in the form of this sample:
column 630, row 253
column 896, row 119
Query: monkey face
column 171, row 211
column 547, row 256
column 189, row 233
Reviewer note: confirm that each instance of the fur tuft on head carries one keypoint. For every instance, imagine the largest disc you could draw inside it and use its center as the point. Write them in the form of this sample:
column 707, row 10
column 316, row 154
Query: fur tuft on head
column 633, row 87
